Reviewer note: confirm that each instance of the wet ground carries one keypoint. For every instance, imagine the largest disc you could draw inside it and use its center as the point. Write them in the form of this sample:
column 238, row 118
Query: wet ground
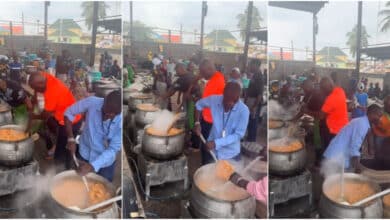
column 170, row 208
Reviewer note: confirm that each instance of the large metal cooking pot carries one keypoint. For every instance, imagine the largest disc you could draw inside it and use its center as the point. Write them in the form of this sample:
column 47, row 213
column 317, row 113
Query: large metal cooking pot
column 126, row 95
column 162, row 147
column 104, row 90
column 331, row 209
column 205, row 206
column 139, row 98
column 60, row 211
column 144, row 117
column 125, row 110
column 5, row 114
column 13, row 153
column 286, row 163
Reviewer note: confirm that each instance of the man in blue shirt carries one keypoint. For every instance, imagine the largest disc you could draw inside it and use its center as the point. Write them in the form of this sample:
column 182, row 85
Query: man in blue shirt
column 347, row 143
column 230, row 120
column 102, row 135
column 362, row 100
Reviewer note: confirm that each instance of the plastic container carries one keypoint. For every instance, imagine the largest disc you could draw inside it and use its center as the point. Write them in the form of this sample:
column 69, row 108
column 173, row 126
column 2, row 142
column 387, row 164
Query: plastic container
column 95, row 76
column 245, row 82
column 32, row 56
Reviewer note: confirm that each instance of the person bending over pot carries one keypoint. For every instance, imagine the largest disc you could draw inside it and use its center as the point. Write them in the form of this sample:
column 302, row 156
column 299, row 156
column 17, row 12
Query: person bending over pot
column 101, row 138
column 230, row 120
column 347, row 143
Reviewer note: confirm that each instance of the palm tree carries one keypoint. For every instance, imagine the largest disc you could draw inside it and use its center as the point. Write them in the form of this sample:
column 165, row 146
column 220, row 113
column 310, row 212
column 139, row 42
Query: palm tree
column 385, row 22
column 256, row 19
column 88, row 12
column 352, row 39
column 141, row 32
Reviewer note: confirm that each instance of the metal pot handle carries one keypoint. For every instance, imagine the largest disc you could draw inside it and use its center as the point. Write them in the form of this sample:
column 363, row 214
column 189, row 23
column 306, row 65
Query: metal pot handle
column 16, row 146
column 118, row 191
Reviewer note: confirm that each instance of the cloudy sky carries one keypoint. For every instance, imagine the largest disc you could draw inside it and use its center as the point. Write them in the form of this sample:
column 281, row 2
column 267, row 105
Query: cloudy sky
column 169, row 15
column 34, row 11
column 335, row 20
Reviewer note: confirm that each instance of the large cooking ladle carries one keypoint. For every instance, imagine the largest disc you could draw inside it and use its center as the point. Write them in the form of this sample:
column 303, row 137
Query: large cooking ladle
column 83, row 177
column 102, row 204
column 210, row 151
column 370, row 198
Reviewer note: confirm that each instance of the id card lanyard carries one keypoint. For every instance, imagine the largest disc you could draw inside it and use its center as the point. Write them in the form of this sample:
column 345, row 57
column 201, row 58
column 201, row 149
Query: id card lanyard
column 106, row 133
column 225, row 123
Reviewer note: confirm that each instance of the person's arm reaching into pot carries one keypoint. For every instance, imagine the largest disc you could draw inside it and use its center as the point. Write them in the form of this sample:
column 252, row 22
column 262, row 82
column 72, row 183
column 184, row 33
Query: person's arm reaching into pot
column 69, row 115
column 199, row 106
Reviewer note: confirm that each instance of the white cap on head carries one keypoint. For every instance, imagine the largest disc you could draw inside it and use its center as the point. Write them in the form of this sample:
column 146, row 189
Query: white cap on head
column 361, row 86
column 236, row 69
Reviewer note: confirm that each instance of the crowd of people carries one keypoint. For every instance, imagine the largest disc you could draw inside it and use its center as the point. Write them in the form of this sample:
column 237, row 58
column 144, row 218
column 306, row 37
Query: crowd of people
column 45, row 98
column 223, row 108
column 340, row 129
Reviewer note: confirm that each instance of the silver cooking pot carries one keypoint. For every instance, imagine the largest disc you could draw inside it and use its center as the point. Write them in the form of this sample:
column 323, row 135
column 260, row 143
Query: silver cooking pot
column 14, row 153
column 205, row 206
column 5, row 115
column 105, row 89
column 330, row 209
column 162, row 147
column 286, row 163
column 145, row 117
column 60, row 211
column 139, row 98
column 126, row 95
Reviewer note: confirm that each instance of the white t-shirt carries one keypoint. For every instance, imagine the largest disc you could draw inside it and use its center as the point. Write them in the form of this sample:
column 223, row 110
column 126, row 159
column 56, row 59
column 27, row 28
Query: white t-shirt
column 156, row 61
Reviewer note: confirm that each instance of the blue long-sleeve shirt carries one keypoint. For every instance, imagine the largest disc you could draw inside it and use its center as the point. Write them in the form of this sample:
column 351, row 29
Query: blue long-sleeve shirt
column 348, row 141
column 100, row 140
column 235, row 125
